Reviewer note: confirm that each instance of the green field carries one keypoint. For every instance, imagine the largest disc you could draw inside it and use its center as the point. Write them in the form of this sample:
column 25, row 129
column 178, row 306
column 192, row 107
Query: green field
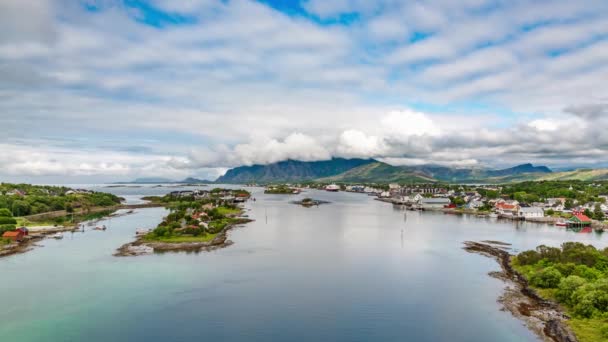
column 182, row 238
column 228, row 211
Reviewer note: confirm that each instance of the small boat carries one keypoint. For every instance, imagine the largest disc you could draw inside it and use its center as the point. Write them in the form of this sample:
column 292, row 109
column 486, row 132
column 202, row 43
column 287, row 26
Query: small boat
column 332, row 188
column 493, row 215
column 100, row 228
column 561, row 223
column 57, row 236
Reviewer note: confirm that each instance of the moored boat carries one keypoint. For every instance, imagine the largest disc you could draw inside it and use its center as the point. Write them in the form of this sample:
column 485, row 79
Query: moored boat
column 332, row 188
column 57, row 236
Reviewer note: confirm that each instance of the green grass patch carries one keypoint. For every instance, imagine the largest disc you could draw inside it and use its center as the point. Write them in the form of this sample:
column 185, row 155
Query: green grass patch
column 589, row 330
column 228, row 211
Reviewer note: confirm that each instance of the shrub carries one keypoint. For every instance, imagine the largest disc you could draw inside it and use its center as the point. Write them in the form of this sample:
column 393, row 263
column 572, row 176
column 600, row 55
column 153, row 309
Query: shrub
column 7, row 220
column 550, row 253
column 567, row 287
column 548, row 278
column 566, row 269
column 4, row 212
column 6, row 228
column 528, row 258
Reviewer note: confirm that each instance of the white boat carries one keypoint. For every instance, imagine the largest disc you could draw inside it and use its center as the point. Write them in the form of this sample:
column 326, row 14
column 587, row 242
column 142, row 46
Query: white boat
column 332, row 188
column 57, row 236
column 493, row 215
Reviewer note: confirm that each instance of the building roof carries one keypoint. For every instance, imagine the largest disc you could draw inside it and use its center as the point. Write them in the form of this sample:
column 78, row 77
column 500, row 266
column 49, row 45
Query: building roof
column 13, row 233
column 506, row 206
column 581, row 217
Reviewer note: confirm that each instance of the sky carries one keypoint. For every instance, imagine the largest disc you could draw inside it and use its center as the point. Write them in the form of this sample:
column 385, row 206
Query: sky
column 112, row 90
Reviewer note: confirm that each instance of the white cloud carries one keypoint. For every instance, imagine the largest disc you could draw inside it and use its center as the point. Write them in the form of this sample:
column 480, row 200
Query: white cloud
column 245, row 83
column 407, row 123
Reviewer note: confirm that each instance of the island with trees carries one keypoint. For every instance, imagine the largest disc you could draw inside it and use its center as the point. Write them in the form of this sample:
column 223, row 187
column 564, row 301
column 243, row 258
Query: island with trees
column 282, row 190
column 197, row 220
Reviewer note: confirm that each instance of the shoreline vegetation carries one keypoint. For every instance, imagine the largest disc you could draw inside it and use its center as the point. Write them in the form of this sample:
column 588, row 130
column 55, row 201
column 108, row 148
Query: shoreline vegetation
column 197, row 220
column 561, row 293
column 543, row 317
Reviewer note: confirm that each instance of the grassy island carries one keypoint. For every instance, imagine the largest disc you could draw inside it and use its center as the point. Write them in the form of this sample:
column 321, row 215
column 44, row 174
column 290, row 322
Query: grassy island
column 281, row 190
column 196, row 219
column 576, row 276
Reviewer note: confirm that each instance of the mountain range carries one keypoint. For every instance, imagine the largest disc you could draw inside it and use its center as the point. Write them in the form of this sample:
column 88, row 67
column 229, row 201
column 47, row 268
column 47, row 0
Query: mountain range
column 340, row 170
column 291, row 171
column 373, row 171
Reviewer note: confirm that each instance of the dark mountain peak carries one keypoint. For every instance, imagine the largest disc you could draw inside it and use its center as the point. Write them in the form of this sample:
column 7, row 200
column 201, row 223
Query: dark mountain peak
column 291, row 170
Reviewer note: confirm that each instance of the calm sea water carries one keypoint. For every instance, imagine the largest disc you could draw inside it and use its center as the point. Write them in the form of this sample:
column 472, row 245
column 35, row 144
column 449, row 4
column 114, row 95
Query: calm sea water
column 353, row 270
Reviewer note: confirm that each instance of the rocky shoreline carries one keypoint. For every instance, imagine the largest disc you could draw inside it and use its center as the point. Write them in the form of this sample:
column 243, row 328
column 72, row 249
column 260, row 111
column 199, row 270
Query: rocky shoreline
column 143, row 247
column 545, row 318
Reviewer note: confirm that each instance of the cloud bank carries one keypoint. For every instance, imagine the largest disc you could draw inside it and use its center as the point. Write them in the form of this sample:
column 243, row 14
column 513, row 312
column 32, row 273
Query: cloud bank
column 191, row 87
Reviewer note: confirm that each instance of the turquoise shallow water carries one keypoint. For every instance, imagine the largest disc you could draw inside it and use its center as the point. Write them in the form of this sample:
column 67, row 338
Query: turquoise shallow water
column 353, row 270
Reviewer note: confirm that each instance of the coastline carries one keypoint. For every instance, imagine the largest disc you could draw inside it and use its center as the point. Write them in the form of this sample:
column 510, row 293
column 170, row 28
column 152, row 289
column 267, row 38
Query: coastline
column 39, row 233
column 544, row 317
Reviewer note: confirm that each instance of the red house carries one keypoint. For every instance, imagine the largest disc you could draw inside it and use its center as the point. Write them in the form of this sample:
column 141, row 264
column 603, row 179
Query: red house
column 15, row 235
column 25, row 231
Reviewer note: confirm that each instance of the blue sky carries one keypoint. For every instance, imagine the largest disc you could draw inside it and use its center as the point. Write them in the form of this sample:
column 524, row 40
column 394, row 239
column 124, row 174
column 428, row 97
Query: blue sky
column 100, row 90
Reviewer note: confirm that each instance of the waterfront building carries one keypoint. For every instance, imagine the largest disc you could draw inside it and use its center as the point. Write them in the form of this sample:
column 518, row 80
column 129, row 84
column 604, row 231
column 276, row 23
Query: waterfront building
column 14, row 235
column 434, row 203
column 530, row 212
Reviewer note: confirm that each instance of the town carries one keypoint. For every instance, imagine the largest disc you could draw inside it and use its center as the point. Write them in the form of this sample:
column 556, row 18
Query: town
column 562, row 203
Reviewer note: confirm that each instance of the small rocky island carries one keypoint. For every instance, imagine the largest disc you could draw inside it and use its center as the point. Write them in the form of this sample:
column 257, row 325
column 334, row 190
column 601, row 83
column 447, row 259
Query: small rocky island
column 197, row 221
column 309, row 202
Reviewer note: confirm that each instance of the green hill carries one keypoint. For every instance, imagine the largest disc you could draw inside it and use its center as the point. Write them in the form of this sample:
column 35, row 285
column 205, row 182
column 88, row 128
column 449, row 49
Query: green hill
column 379, row 172
column 581, row 174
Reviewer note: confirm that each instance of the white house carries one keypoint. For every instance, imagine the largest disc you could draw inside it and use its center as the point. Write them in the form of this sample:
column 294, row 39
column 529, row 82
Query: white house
column 434, row 203
column 530, row 212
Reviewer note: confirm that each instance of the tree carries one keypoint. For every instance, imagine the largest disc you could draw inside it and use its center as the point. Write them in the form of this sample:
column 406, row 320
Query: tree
column 21, row 208
column 4, row 212
column 548, row 278
column 598, row 214
column 567, row 287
